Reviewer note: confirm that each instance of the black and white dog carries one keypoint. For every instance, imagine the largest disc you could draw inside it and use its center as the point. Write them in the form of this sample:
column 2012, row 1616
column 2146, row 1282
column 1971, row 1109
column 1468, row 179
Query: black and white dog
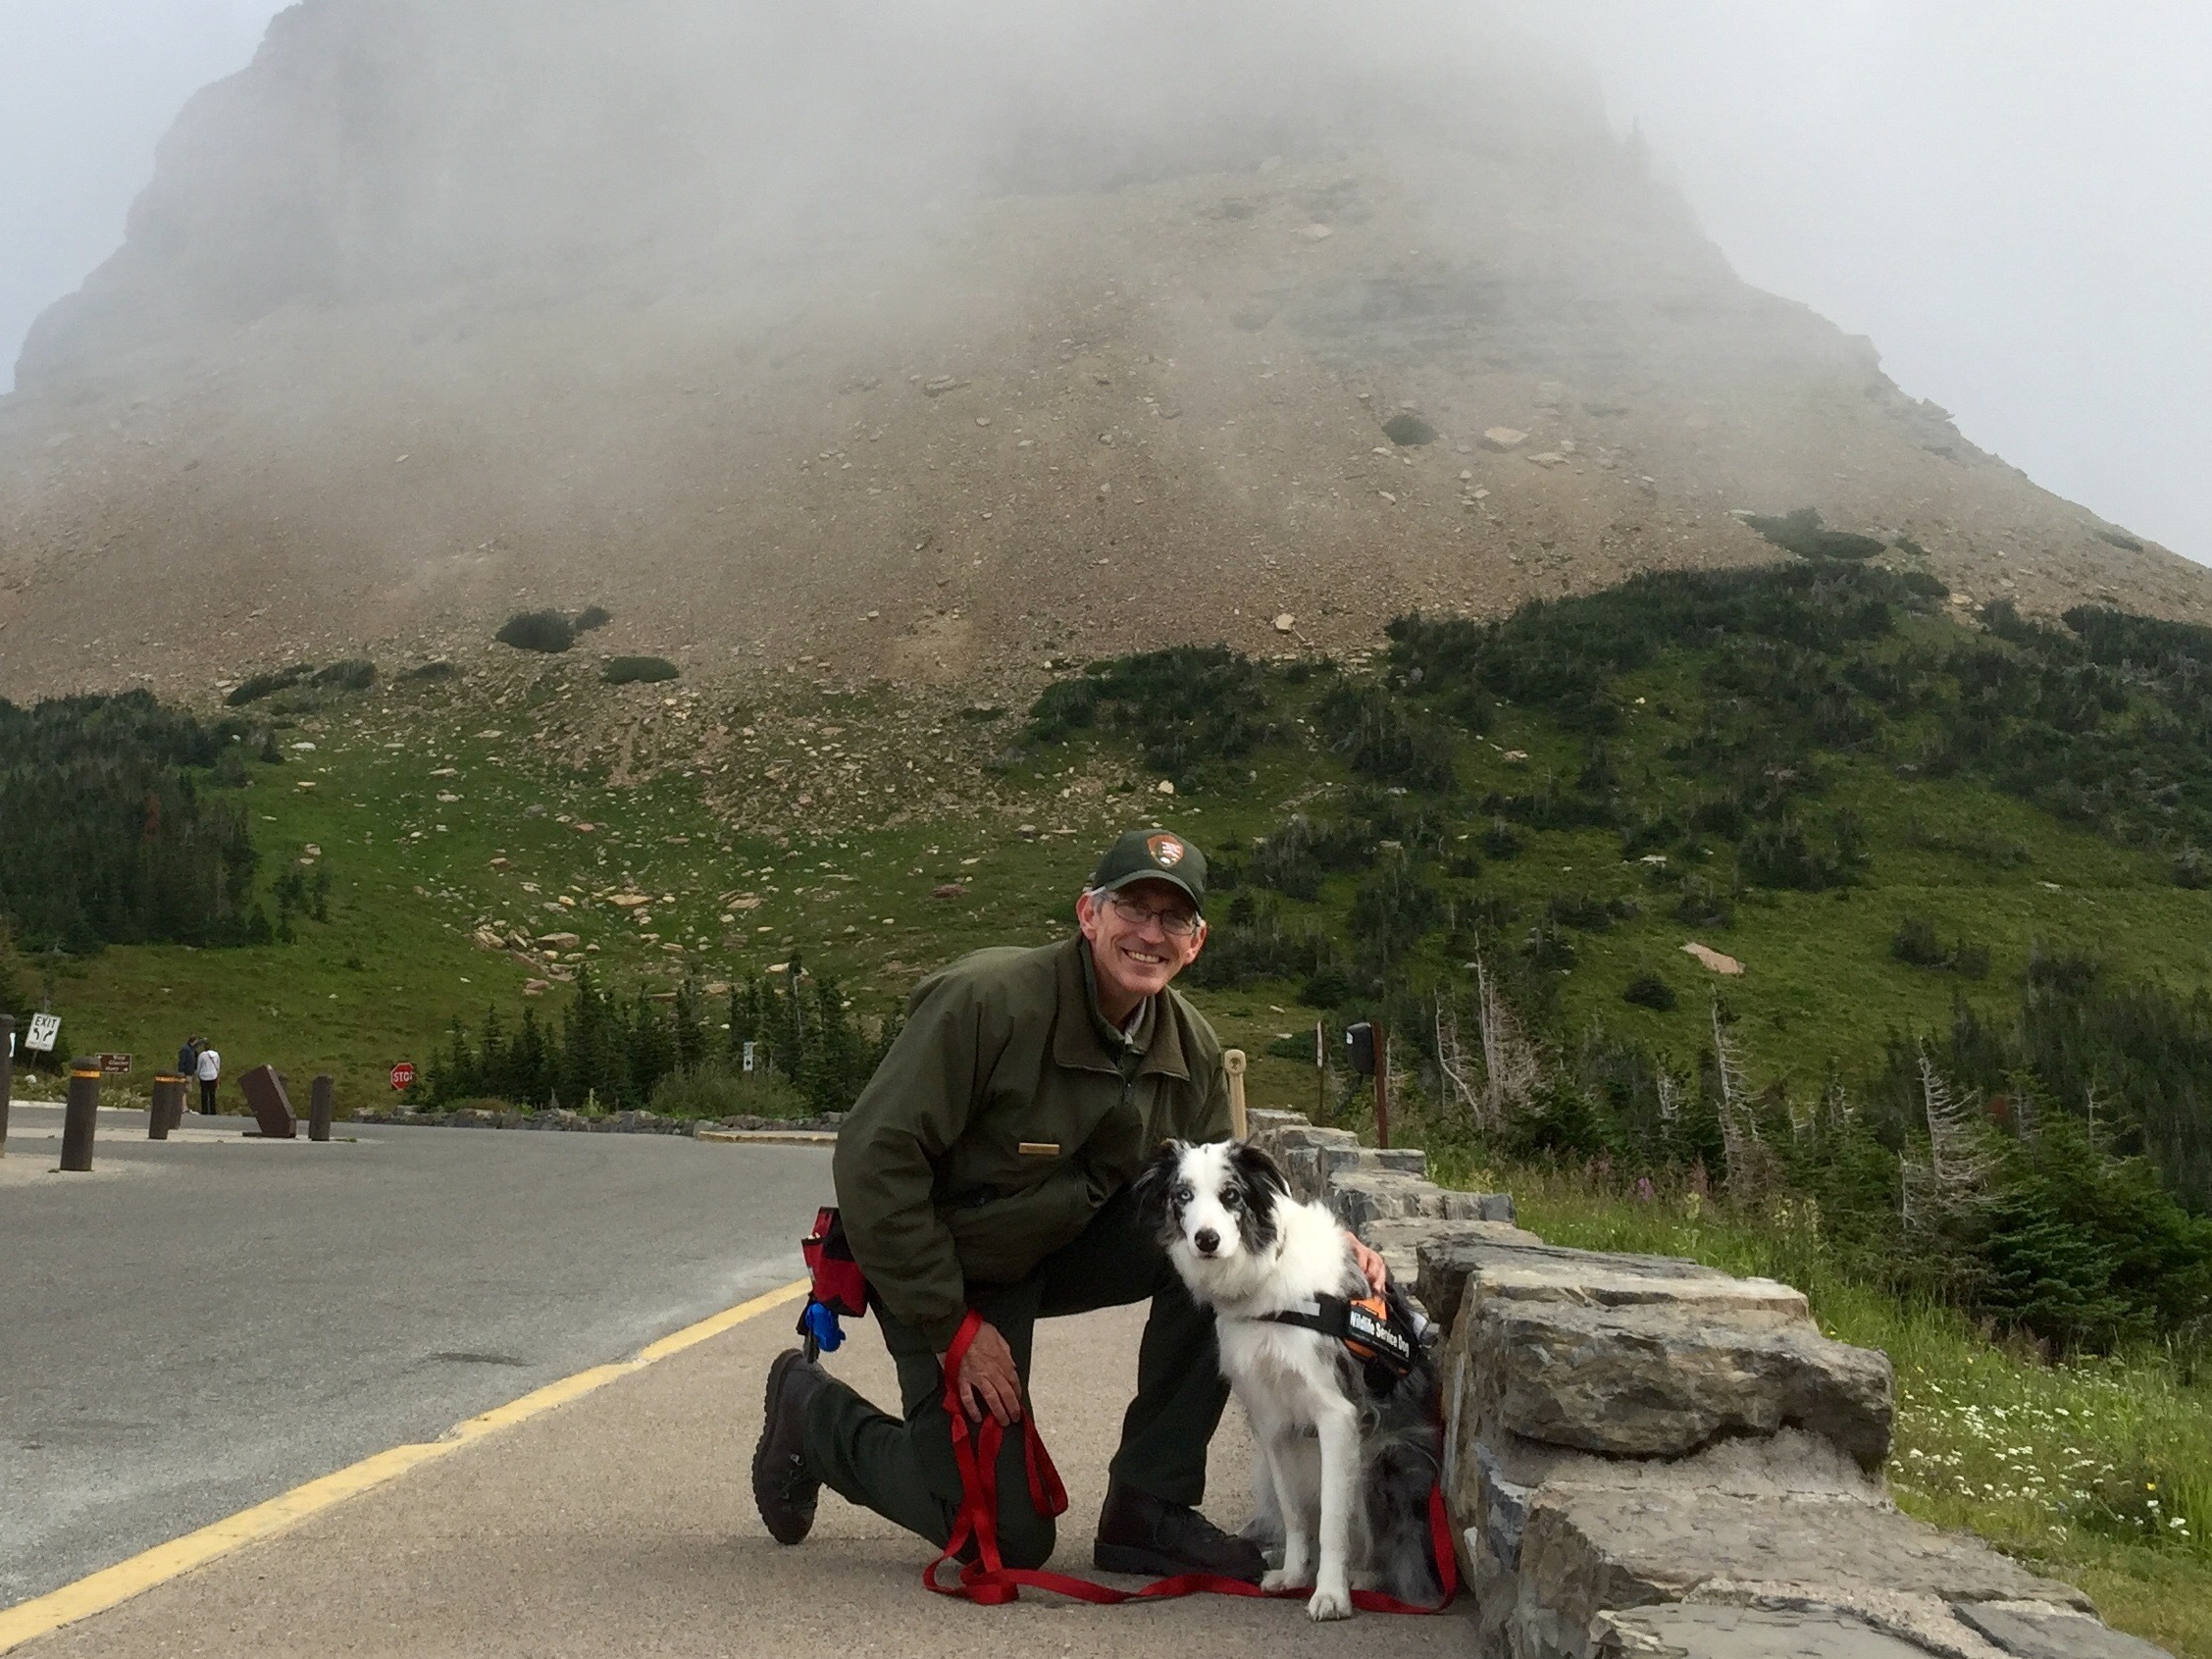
column 1348, row 1445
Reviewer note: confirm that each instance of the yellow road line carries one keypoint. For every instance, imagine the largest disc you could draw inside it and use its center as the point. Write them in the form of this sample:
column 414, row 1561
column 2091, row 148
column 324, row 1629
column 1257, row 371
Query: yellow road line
column 101, row 1590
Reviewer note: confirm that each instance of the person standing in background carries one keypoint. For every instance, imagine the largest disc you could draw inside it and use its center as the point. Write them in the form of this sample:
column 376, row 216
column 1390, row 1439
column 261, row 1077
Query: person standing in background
column 188, row 1058
column 209, row 1070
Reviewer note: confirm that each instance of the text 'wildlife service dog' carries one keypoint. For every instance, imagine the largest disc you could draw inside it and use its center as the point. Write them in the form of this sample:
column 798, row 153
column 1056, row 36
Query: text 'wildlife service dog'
column 1339, row 1387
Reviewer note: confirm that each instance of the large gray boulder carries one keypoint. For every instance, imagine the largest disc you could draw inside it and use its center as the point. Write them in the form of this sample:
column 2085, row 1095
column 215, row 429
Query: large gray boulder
column 1687, row 1631
column 1494, row 1478
column 1335, row 1160
column 1400, row 1242
column 1261, row 1122
column 1297, row 1147
column 1539, row 1271
column 1661, row 1380
column 2037, row 1630
column 1492, row 1475
column 1361, row 1196
column 1316, row 1167
column 1587, row 1550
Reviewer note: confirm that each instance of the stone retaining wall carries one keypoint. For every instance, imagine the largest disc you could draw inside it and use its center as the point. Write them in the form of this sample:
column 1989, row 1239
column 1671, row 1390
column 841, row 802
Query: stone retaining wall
column 1645, row 1456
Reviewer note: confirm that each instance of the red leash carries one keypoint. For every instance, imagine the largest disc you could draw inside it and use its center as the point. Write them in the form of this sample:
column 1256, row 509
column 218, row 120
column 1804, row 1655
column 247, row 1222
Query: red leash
column 989, row 1581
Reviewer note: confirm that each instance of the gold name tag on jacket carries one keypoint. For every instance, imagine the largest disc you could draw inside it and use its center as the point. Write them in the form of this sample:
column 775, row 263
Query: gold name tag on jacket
column 1040, row 1149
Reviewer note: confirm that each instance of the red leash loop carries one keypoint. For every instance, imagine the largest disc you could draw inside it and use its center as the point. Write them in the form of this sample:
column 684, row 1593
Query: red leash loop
column 989, row 1581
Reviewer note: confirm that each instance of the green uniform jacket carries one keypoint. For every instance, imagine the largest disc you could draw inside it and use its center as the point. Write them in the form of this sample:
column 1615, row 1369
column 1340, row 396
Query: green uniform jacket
column 999, row 1123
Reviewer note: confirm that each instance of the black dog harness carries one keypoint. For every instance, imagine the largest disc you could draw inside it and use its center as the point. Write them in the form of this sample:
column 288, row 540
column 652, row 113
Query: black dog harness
column 1384, row 1347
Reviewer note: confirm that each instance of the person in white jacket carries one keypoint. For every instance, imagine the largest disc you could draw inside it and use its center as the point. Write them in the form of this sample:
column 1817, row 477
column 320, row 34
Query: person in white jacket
column 210, row 1072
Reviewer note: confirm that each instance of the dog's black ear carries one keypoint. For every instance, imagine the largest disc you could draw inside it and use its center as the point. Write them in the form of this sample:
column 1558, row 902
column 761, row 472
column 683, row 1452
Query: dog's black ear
column 1155, row 1182
column 1260, row 1185
column 1257, row 1172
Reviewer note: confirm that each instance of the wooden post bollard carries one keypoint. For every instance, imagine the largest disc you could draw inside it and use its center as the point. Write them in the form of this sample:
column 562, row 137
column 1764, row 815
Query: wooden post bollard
column 1233, row 1061
column 167, row 1105
column 80, row 1116
column 319, row 1108
column 7, row 1074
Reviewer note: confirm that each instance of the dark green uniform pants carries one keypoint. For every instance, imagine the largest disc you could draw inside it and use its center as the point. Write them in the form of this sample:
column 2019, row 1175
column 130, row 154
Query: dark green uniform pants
column 904, row 1470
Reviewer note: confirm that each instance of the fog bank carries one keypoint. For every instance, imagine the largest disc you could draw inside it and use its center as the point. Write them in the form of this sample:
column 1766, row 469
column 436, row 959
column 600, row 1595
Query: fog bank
column 2007, row 195
column 2010, row 197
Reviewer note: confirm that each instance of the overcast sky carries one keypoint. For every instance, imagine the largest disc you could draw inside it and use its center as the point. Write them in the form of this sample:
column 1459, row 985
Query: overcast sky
column 2012, row 197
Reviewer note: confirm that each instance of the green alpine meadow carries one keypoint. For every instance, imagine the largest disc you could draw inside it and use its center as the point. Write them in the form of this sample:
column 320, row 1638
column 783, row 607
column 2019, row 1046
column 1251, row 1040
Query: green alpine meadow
column 1794, row 918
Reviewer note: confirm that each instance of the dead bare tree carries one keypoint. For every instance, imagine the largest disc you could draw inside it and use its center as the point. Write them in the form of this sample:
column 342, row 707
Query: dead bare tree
column 2027, row 1105
column 1739, row 1126
column 1509, row 1072
column 1836, row 1110
column 1452, row 1061
column 1952, row 1180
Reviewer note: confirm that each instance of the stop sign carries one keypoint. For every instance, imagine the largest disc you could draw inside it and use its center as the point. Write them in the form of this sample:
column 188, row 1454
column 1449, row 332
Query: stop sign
column 403, row 1074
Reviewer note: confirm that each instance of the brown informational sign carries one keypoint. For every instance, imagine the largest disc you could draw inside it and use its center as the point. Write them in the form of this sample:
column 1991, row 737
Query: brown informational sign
column 272, row 1109
column 115, row 1065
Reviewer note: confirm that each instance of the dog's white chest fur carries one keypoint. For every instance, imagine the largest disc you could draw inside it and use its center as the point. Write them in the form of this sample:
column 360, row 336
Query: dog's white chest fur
column 1281, row 1362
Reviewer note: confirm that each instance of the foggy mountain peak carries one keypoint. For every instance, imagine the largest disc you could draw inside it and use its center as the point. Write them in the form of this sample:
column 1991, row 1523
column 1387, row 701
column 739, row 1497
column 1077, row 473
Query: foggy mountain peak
column 929, row 343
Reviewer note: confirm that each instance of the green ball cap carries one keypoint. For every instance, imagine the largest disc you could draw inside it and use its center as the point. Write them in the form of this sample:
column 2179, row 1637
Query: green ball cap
column 1153, row 854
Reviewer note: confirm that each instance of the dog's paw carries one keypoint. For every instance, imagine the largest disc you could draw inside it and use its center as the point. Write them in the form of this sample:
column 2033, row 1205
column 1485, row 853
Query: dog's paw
column 1275, row 1583
column 1332, row 1603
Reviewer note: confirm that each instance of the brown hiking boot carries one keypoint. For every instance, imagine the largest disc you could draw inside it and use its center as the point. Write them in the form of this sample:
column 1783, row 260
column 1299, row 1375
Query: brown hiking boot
column 1141, row 1534
column 783, row 1487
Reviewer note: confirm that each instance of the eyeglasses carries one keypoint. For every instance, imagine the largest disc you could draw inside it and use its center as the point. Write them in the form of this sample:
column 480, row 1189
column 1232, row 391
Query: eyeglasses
column 1175, row 923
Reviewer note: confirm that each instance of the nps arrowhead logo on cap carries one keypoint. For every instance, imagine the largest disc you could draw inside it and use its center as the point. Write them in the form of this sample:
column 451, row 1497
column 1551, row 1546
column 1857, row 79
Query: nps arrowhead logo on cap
column 1153, row 854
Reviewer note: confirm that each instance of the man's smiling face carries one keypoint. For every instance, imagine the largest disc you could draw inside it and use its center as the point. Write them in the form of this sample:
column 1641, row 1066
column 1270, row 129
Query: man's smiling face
column 1135, row 946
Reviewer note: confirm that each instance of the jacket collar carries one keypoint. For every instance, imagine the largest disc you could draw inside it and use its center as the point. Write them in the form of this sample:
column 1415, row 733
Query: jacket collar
column 1075, row 1019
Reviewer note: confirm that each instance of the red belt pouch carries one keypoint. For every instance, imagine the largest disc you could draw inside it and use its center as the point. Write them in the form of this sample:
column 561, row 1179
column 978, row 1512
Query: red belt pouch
column 838, row 1282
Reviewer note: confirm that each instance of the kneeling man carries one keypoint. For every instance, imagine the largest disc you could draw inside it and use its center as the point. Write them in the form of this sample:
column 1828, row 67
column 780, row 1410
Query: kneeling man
column 987, row 1165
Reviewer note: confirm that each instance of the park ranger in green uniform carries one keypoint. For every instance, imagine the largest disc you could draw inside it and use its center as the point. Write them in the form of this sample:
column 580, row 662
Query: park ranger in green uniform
column 987, row 1165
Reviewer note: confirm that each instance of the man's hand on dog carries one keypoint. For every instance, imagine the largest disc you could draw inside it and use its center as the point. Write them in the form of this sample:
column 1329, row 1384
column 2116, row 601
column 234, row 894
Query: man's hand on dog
column 988, row 1380
column 990, row 1383
column 1370, row 1265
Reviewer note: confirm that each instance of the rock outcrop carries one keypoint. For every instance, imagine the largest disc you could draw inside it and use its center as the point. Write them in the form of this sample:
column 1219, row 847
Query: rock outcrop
column 930, row 350
column 1650, row 1382
column 1646, row 1456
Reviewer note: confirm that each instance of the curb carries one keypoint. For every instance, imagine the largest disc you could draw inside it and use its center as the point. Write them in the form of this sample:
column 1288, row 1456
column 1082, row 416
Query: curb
column 803, row 1131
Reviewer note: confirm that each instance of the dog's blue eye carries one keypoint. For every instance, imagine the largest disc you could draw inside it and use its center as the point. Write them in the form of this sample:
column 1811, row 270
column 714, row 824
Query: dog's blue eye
column 1231, row 1199
column 1182, row 1194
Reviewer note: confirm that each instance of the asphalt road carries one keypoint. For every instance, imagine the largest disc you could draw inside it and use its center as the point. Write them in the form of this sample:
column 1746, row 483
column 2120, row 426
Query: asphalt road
column 623, row 1523
column 204, row 1322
